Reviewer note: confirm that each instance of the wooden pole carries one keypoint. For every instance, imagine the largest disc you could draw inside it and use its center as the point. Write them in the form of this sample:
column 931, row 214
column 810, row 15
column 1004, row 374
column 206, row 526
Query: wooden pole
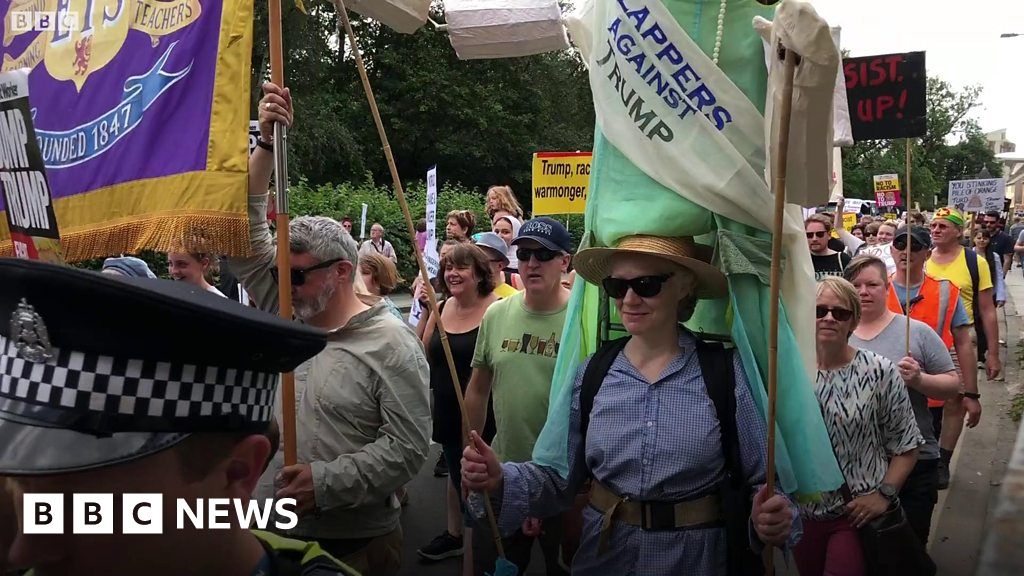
column 906, row 202
column 284, row 285
column 782, row 158
column 432, row 296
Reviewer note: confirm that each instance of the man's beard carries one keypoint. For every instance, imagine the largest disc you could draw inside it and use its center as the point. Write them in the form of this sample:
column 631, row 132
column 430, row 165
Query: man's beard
column 306, row 309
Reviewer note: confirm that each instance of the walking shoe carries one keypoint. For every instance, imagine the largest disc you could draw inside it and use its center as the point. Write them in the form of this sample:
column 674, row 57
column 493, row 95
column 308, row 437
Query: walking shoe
column 444, row 546
column 943, row 474
column 441, row 467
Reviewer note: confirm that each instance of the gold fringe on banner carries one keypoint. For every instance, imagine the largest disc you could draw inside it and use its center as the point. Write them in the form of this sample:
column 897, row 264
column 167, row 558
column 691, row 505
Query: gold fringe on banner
column 217, row 234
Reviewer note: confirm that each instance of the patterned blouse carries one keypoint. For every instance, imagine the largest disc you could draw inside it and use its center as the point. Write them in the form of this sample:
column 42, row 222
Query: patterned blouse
column 869, row 420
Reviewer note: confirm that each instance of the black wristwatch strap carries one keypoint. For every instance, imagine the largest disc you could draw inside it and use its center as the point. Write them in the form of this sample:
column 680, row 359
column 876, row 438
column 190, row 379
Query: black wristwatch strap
column 971, row 395
column 268, row 146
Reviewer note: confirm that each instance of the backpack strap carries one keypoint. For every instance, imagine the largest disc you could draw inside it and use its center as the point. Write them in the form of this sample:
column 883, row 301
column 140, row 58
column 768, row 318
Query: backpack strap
column 600, row 363
column 716, row 367
column 971, row 257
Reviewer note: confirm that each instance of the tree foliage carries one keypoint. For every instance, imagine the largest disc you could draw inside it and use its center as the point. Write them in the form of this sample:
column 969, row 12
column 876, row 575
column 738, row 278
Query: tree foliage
column 346, row 199
column 954, row 148
column 479, row 121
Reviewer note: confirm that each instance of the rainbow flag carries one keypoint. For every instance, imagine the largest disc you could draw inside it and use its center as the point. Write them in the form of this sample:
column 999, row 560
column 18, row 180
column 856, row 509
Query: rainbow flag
column 141, row 113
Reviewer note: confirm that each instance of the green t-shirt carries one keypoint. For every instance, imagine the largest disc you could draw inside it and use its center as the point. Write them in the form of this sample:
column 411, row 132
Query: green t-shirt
column 519, row 347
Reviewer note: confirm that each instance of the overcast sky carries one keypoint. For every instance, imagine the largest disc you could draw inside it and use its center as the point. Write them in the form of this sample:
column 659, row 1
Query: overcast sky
column 961, row 41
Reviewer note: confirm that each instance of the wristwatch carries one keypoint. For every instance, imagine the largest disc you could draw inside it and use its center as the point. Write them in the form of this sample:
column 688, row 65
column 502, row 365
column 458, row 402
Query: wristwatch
column 971, row 395
column 887, row 490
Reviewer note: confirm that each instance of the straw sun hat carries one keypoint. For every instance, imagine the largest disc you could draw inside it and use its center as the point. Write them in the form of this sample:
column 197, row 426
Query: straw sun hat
column 595, row 264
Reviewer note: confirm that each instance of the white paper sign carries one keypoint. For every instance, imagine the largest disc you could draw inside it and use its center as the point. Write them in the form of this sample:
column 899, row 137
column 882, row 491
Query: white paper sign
column 977, row 195
column 362, row 224
column 432, row 260
column 432, row 207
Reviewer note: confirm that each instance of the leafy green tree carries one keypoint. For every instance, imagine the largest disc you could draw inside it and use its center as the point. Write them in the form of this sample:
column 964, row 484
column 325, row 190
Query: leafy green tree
column 479, row 121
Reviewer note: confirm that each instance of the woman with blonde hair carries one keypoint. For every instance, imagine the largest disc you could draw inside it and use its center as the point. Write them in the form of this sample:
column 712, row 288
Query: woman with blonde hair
column 873, row 432
column 631, row 446
column 380, row 277
column 501, row 199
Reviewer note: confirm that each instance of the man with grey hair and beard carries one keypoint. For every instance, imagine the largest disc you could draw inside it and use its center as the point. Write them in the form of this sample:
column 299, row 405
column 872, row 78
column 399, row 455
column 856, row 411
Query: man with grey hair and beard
column 362, row 407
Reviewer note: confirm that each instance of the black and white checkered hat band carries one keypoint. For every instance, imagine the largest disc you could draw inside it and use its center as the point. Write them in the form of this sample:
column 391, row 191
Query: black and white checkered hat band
column 103, row 394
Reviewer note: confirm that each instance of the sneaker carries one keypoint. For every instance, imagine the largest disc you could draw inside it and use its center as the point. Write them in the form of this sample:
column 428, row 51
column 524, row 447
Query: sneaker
column 943, row 474
column 444, row 546
column 441, row 467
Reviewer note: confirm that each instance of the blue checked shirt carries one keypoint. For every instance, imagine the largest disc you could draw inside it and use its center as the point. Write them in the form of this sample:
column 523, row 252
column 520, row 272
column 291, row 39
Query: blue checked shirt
column 650, row 441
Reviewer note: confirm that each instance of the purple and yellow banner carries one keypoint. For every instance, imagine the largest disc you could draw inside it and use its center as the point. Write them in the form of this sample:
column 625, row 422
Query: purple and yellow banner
column 141, row 111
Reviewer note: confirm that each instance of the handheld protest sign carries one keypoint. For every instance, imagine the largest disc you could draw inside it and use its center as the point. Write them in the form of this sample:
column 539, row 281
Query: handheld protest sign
column 560, row 182
column 25, row 189
column 886, row 94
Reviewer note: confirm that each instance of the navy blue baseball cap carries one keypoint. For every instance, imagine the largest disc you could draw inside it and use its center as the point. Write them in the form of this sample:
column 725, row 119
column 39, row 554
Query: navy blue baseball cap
column 548, row 232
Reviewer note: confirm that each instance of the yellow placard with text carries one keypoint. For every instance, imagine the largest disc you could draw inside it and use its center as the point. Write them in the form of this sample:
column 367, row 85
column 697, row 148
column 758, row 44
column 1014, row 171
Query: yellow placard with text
column 849, row 221
column 560, row 182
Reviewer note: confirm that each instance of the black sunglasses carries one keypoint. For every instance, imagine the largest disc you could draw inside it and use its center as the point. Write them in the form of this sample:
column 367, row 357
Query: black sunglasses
column 818, row 234
column 871, row 233
column 901, row 245
column 643, row 286
column 541, row 254
column 840, row 314
column 299, row 274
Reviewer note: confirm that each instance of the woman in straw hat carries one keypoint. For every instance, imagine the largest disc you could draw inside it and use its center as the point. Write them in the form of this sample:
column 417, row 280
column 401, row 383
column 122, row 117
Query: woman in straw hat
column 653, row 444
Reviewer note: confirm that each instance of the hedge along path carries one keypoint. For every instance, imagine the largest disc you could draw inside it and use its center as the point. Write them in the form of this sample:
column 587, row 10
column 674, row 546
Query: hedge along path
column 431, row 295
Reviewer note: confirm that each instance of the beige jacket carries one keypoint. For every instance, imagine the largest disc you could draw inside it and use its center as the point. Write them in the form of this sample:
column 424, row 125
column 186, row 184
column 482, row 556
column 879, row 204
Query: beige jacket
column 362, row 408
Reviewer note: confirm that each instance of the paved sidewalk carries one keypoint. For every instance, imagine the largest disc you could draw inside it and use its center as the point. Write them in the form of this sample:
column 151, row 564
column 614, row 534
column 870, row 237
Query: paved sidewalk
column 964, row 511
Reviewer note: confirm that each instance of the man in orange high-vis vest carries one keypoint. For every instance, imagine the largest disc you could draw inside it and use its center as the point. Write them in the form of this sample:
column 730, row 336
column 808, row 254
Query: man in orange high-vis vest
column 937, row 303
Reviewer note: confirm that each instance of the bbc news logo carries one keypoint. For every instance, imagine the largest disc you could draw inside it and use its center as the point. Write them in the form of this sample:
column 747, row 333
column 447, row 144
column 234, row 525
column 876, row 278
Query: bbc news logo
column 144, row 514
column 33, row 21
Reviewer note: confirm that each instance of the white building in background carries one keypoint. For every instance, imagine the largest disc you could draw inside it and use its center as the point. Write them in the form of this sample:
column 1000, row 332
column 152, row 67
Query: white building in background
column 1013, row 166
column 998, row 142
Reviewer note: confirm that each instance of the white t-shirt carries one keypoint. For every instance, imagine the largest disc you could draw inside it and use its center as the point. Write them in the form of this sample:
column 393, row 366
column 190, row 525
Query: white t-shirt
column 213, row 289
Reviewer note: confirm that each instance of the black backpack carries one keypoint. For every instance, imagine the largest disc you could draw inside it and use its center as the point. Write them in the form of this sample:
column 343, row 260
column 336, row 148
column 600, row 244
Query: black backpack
column 716, row 366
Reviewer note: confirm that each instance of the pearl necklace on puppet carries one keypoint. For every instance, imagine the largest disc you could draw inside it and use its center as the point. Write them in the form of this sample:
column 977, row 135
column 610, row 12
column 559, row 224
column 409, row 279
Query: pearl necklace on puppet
column 720, row 31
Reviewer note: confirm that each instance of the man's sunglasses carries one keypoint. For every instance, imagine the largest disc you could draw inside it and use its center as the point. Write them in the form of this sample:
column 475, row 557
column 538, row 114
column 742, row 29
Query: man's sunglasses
column 818, row 234
column 643, row 286
column 840, row 314
column 541, row 254
column 901, row 245
column 299, row 274
column 871, row 233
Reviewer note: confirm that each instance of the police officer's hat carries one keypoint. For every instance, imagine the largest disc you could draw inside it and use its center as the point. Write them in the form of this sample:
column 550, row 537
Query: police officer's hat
column 97, row 369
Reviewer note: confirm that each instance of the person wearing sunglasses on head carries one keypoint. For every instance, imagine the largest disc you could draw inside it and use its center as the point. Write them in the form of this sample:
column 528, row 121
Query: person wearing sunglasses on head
column 656, row 484
column 927, row 370
column 937, row 303
column 826, row 261
column 362, row 405
column 514, row 362
column 874, row 436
